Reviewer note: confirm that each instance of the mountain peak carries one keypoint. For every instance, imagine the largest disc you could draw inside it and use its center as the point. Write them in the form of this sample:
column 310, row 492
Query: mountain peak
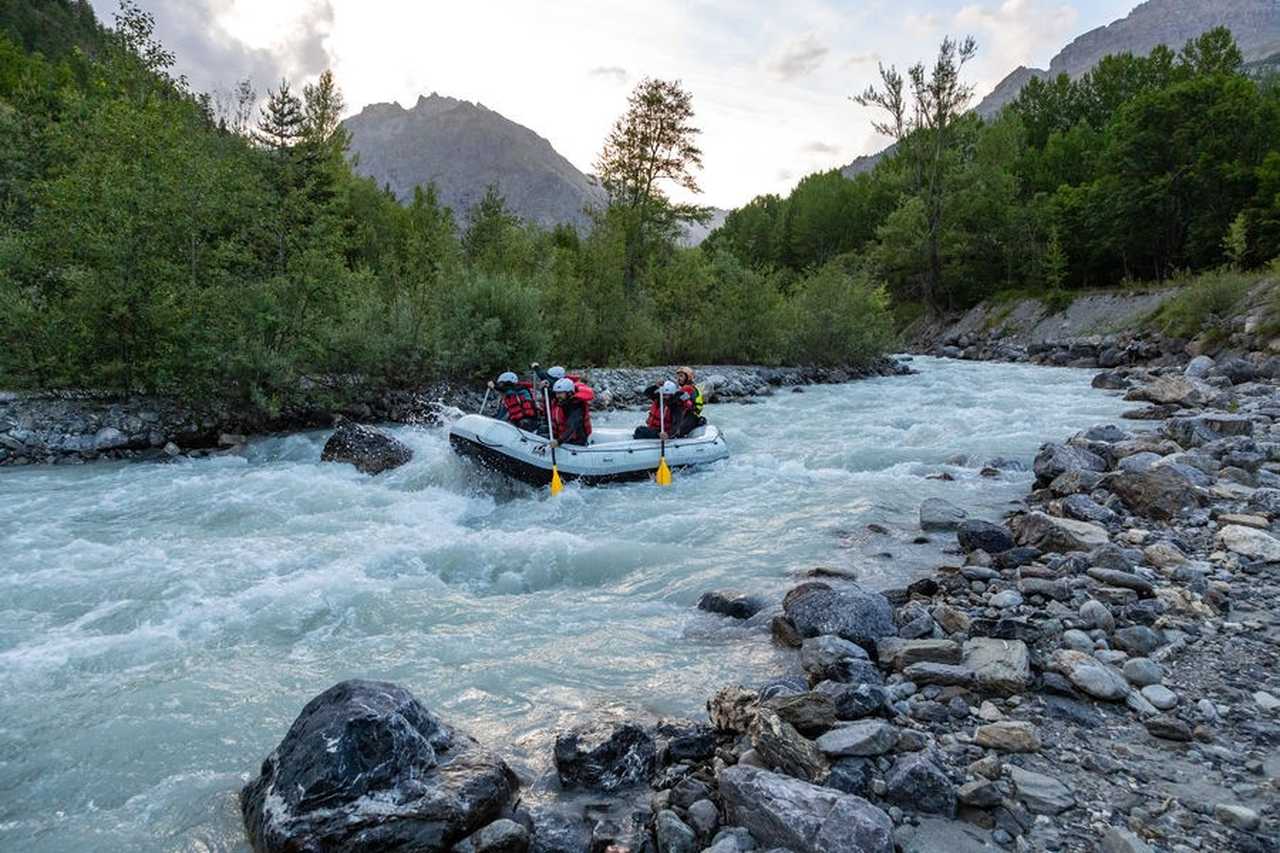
column 463, row 147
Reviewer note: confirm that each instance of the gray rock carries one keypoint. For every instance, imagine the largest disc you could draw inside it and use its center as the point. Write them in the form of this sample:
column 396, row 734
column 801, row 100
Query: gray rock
column 860, row 616
column 853, row 775
column 783, row 748
column 1006, row 598
column 1041, row 794
column 1161, row 493
column 371, row 450
column 809, row 713
column 1160, row 696
column 917, row 783
column 1116, row 840
column 501, row 836
column 1085, row 508
column 604, row 757
column 1001, row 667
column 896, row 653
column 673, row 835
column 1055, row 459
column 940, row 673
column 1143, row 672
column 1008, row 736
column 861, row 738
column 940, row 514
column 854, row 701
column 705, row 817
column 1125, row 580
column 1139, row 461
column 1095, row 614
column 1237, row 817
column 1168, row 728
column 1198, row 367
column 1075, row 482
column 1251, row 543
column 1090, row 675
column 1057, row 534
column 984, row 536
column 1078, row 640
column 1137, row 640
column 366, row 767
column 784, row 812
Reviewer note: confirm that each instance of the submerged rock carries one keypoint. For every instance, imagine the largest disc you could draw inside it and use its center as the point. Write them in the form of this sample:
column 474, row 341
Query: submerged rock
column 730, row 603
column 940, row 514
column 366, row 767
column 371, row 450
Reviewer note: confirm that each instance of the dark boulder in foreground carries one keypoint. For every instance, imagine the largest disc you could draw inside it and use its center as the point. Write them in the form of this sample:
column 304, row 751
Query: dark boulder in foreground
column 605, row 757
column 369, row 449
column 366, row 767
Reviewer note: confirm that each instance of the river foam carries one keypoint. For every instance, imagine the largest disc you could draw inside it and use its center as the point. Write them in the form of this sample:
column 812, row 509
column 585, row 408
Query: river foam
column 162, row 624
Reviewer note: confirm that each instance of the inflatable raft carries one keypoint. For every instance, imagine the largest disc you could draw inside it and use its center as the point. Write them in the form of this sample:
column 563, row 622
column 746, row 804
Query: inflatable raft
column 611, row 456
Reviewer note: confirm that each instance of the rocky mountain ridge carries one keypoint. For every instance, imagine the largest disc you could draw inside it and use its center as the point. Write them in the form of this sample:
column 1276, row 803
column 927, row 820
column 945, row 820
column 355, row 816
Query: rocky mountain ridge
column 463, row 148
column 1255, row 24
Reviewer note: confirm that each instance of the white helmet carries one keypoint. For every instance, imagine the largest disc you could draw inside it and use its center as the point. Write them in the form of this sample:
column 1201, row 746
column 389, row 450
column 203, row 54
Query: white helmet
column 507, row 378
column 668, row 388
column 556, row 372
column 563, row 386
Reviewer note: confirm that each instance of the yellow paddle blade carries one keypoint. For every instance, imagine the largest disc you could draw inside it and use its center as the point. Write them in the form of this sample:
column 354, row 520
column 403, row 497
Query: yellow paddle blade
column 556, row 485
column 664, row 473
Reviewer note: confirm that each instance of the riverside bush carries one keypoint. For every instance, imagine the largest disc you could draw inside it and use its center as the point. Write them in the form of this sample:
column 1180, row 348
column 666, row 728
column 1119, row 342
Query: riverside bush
column 1203, row 303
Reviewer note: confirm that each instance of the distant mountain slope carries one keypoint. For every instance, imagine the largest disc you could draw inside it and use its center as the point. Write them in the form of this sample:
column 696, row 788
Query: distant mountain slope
column 463, row 148
column 1255, row 24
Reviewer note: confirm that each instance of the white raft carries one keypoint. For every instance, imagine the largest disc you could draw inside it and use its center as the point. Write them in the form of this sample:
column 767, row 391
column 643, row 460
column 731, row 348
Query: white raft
column 610, row 456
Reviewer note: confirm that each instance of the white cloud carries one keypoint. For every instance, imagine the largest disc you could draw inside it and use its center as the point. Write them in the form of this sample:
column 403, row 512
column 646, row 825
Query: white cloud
column 613, row 73
column 1017, row 32
column 798, row 57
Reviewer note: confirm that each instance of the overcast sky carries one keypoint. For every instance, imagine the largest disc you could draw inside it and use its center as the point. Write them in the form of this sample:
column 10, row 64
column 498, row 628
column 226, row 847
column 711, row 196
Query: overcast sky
column 770, row 80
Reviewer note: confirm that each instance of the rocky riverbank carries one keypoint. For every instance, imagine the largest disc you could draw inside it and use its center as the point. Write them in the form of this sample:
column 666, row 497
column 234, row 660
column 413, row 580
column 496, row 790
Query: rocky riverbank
column 78, row 428
column 1098, row 671
column 1101, row 330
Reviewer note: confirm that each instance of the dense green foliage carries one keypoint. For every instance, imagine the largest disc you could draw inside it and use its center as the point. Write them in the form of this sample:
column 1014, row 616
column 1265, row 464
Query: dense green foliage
column 1144, row 168
column 152, row 239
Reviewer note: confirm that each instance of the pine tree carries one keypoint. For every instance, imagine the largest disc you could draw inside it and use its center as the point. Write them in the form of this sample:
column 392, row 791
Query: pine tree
column 282, row 121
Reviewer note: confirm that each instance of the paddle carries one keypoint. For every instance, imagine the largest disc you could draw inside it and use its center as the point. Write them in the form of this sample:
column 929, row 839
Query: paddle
column 486, row 398
column 556, row 486
column 664, row 473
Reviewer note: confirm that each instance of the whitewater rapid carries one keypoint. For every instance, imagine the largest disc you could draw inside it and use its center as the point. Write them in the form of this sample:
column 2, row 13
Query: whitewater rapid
column 162, row 624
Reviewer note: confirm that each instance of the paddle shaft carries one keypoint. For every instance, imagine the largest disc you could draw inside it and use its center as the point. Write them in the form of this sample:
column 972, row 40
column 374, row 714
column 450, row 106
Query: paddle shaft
column 662, row 428
column 486, row 400
column 551, row 428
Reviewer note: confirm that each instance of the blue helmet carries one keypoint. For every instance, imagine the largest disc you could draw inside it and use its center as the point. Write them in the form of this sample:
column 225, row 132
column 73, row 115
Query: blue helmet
column 507, row 378
column 556, row 372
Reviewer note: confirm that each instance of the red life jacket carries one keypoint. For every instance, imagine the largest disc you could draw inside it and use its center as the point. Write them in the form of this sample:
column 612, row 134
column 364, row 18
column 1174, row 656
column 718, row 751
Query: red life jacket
column 520, row 403
column 667, row 412
column 584, row 395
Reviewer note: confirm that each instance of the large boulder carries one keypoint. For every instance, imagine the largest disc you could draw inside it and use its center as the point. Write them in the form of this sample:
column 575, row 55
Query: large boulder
column 605, row 757
column 1162, row 493
column 1090, row 675
column 366, row 767
column 1056, row 459
column 369, row 449
column 1048, row 533
column 916, row 782
column 858, row 615
column 783, row 812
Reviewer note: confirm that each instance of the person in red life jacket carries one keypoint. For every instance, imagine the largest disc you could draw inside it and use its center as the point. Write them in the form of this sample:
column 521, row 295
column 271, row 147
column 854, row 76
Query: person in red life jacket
column 670, row 417
column 571, row 411
column 518, row 405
